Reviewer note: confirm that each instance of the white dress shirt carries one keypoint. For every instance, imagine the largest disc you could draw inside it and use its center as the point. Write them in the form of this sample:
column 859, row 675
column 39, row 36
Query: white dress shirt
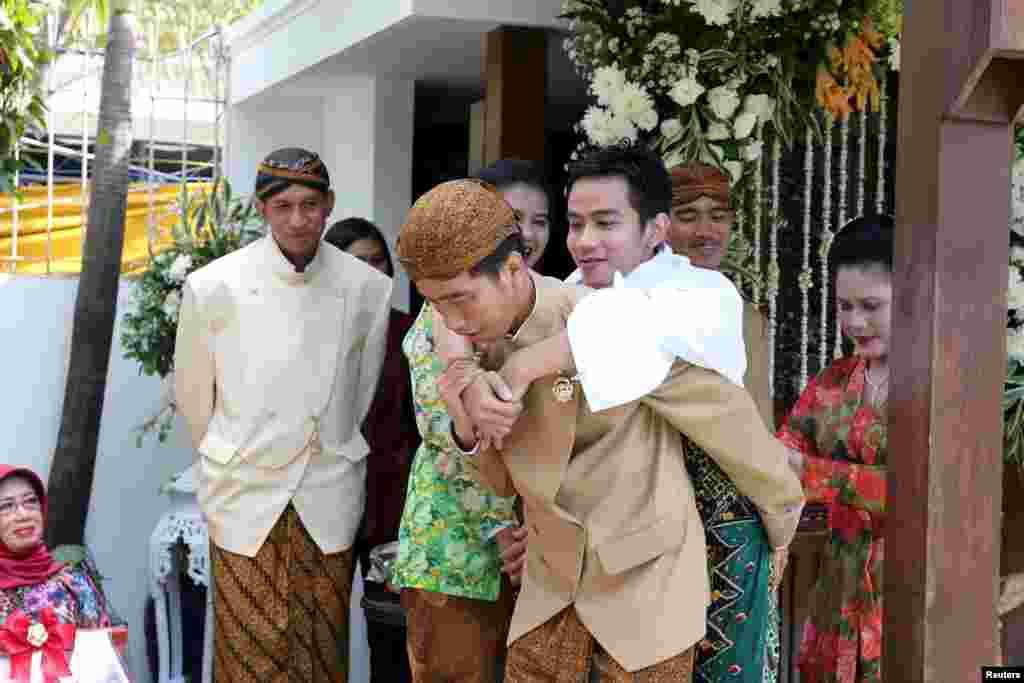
column 666, row 308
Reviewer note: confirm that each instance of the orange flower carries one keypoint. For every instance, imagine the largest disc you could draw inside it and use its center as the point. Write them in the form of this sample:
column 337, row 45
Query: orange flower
column 857, row 56
column 837, row 59
column 871, row 36
column 831, row 96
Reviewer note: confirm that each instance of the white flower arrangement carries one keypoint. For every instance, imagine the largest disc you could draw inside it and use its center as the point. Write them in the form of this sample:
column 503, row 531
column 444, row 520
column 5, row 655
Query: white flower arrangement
column 1013, row 389
column 210, row 226
column 748, row 65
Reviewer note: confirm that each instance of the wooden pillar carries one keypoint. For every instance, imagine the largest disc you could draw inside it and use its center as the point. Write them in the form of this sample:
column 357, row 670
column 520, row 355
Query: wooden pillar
column 962, row 84
column 515, row 83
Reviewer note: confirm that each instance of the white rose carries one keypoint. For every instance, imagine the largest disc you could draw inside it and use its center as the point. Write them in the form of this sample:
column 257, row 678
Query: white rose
column 171, row 304
column 715, row 12
column 671, row 129
column 606, row 82
column 179, row 269
column 744, row 125
column 686, row 91
column 1015, row 289
column 753, row 150
column 634, row 103
column 718, row 131
column 765, row 8
column 1017, row 255
column 761, row 105
column 647, row 120
column 604, row 128
column 1015, row 345
column 723, row 101
column 894, row 56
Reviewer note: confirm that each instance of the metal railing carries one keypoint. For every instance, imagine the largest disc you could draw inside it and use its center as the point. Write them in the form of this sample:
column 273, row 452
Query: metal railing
column 185, row 89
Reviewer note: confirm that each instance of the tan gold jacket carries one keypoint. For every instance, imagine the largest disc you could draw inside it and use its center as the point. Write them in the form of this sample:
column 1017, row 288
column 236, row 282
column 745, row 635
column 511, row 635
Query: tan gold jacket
column 757, row 379
column 614, row 527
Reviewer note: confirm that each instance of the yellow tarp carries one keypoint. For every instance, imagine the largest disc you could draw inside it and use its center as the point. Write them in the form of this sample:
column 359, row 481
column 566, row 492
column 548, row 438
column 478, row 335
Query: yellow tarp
column 65, row 238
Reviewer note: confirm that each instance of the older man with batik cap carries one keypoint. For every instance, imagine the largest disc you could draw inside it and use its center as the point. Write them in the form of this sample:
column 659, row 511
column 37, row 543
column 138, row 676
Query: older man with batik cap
column 702, row 223
column 278, row 354
column 616, row 585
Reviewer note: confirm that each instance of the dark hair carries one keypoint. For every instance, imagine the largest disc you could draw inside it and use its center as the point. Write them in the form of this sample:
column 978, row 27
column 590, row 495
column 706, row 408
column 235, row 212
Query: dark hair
column 864, row 242
column 491, row 264
column 650, row 188
column 343, row 233
column 505, row 173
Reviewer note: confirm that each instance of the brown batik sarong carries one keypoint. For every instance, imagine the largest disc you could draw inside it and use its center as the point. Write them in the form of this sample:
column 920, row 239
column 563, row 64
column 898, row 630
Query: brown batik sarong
column 454, row 639
column 562, row 651
column 282, row 616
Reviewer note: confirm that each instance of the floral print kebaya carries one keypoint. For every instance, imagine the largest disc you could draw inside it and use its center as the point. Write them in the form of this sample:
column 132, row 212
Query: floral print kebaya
column 844, row 443
column 446, row 542
column 69, row 593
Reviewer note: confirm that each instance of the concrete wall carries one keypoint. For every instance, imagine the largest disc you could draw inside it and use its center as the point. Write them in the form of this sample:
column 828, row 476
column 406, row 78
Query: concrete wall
column 35, row 324
column 360, row 125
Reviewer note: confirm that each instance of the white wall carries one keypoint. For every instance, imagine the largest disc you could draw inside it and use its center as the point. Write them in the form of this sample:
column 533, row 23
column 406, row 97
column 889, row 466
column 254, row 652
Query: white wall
column 35, row 323
column 361, row 126
column 275, row 44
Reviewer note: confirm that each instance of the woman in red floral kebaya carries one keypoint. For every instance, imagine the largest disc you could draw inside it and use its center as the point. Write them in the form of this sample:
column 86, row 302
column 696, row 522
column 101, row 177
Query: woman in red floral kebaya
column 838, row 440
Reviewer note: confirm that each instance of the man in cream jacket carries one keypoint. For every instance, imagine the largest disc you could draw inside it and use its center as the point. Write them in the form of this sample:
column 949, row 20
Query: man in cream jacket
column 278, row 354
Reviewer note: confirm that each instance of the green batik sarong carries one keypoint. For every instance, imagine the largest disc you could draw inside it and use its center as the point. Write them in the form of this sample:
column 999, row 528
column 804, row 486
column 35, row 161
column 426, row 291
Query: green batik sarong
column 742, row 640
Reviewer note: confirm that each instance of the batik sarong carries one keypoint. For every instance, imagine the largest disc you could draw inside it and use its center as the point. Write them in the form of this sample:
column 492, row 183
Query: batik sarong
column 282, row 616
column 742, row 640
column 456, row 639
column 562, row 650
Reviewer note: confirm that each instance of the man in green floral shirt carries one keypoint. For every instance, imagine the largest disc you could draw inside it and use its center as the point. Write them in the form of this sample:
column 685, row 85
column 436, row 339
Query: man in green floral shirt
column 457, row 601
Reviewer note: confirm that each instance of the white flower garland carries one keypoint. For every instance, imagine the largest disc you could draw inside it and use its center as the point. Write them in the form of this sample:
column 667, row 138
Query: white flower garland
column 806, row 279
column 862, row 146
column 883, row 126
column 1015, row 288
column 773, row 263
column 758, row 222
column 844, row 164
column 826, row 243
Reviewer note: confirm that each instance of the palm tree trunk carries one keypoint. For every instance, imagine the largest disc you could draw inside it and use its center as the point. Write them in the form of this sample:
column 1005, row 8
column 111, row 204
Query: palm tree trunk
column 74, row 459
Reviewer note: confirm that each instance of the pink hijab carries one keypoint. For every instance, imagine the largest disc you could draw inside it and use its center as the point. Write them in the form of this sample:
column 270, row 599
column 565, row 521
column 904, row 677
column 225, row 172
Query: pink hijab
column 34, row 567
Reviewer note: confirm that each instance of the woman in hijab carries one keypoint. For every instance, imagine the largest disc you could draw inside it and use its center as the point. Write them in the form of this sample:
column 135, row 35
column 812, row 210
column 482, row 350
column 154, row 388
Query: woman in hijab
column 30, row 579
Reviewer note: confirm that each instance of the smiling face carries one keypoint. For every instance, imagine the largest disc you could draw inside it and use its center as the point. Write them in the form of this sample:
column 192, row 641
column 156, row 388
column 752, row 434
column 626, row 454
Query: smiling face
column 482, row 308
column 864, row 299
column 297, row 217
column 700, row 230
column 605, row 232
column 532, row 203
column 21, row 515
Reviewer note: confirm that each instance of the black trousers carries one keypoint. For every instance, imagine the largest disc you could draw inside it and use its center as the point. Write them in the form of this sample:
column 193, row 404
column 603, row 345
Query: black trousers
column 385, row 627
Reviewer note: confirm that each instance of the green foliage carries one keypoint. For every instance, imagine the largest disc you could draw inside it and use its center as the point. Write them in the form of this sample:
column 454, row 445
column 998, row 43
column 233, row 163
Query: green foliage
column 21, row 106
column 174, row 24
column 888, row 16
column 209, row 226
